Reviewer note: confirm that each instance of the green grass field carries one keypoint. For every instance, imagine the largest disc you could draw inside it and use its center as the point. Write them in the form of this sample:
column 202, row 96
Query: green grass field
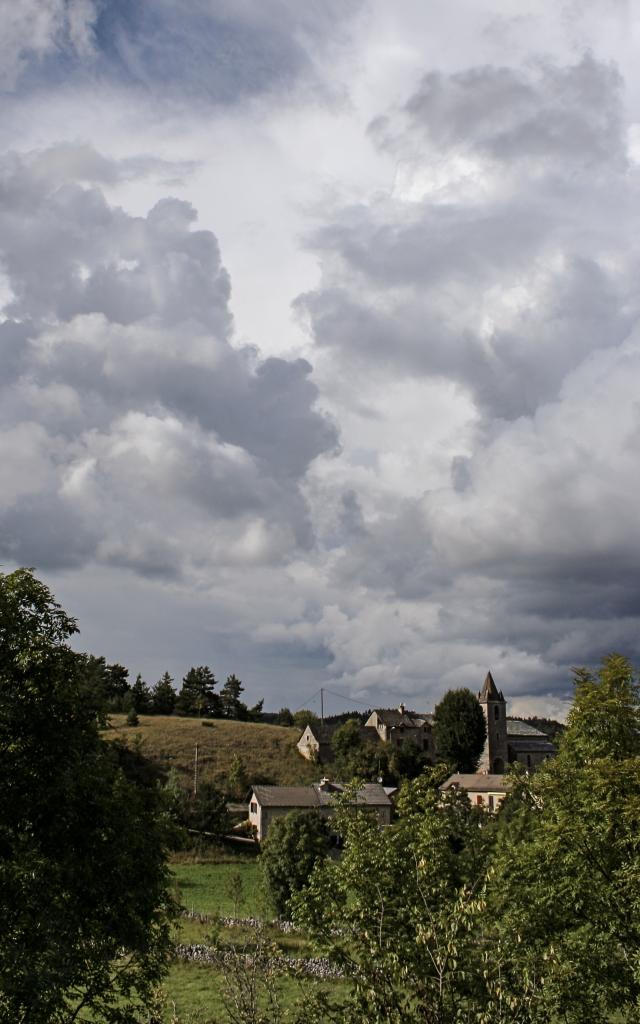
column 228, row 886
column 268, row 751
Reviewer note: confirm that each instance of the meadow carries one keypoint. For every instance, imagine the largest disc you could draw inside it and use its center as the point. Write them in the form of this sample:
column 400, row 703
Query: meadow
column 223, row 884
column 268, row 752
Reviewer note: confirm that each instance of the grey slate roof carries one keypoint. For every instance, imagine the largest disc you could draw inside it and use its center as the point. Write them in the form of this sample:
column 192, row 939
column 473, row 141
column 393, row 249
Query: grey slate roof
column 517, row 728
column 410, row 719
column 317, row 795
column 478, row 783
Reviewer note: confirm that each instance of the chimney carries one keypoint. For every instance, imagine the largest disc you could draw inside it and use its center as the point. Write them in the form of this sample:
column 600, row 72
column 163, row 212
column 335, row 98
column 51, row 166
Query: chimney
column 401, row 709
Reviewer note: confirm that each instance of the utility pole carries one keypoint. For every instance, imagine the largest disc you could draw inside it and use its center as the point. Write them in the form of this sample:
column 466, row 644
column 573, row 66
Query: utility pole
column 195, row 773
column 321, row 706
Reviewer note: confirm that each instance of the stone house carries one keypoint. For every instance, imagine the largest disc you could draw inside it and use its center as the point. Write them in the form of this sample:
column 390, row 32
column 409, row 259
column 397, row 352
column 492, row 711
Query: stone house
column 508, row 740
column 396, row 726
column 269, row 802
column 486, row 791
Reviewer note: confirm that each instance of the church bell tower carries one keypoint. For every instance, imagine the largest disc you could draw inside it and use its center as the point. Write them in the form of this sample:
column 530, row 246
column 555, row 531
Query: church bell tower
column 495, row 756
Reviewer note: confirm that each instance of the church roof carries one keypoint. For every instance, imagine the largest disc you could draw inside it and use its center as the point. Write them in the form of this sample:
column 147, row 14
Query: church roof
column 489, row 690
column 517, row 728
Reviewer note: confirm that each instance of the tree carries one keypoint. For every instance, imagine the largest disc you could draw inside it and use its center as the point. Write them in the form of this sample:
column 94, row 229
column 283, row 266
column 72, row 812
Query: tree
column 110, row 682
column 407, row 761
column 460, row 730
column 163, row 696
column 400, row 910
column 294, row 845
column 197, row 695
column 255, row 712
column 204, row 811
column 237, row 779
column 232, row 706
column 284, row 717
column 566, row 876
column 84, row 887
column 303, row 718
column 357, row 757
column 140, row 696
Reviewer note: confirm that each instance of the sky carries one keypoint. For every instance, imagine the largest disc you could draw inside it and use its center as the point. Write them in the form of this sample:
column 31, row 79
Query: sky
column 320, row 341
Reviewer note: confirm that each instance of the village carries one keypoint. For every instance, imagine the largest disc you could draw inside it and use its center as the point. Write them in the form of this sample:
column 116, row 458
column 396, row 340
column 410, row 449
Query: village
column 508, row 741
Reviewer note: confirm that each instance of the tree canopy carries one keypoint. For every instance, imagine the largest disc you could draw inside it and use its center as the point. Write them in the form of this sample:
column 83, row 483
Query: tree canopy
column 294, row 845
column 459, row 729
column 84, row 887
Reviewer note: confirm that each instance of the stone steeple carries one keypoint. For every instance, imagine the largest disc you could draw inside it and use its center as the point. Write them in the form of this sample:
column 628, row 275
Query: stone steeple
column 494, row 757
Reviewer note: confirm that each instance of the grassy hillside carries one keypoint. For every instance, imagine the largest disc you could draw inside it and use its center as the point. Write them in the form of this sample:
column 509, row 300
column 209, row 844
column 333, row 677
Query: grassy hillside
column 268, row 751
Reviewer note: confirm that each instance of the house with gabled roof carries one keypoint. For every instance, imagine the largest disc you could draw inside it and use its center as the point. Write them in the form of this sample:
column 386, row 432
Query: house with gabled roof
column 269, row 802
column 486, row 791
column 508, row 739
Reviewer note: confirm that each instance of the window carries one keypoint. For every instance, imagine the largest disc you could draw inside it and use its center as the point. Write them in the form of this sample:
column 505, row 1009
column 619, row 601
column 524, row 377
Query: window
column 254, row 807
column 479, row 800
column 491, row 803
column 496, row 713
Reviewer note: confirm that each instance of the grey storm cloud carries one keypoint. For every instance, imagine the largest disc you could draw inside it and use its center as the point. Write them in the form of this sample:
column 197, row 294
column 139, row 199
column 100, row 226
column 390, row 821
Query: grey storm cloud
column 504, row 280
column 215, row 50
column 506, row 262
column 133, row 431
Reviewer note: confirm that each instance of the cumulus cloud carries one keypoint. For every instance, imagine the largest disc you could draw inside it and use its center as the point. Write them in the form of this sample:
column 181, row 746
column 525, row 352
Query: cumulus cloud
column 504, row 262
column 143, row 437
column 483, row 267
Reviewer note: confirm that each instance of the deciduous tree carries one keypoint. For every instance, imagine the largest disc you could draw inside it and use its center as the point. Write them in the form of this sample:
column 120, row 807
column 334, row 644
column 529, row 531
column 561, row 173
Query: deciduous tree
column 295, row 843
column 460, row 730
column 84, row 886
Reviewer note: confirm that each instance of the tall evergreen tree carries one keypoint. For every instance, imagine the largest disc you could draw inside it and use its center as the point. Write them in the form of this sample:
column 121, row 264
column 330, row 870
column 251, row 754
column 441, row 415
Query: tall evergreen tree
column 140, row 696
column 163, row 697
column 197, row 695
column 232, row 706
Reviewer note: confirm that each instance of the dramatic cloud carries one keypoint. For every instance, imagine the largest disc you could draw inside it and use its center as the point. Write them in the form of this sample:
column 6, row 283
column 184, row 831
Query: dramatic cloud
column 142, row 436
column 447, row 201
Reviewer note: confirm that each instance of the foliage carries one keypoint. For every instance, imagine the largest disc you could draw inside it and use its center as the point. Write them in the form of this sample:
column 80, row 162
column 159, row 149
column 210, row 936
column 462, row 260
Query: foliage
column 84, row 897
column 237, row 779
column 356, row 756
column 163, row 696
column 284, row 717
column 567, row 869
column 303, row 718
column 204, row 811
column 141, row 696
column 295, row 843
column 230, row 703
column 407, row 761
column 109, row 683
column 400, row 910
column 197, row 696
column 460, row 730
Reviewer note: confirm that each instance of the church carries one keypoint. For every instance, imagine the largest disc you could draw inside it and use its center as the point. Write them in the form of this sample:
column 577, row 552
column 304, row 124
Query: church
column 508, row 740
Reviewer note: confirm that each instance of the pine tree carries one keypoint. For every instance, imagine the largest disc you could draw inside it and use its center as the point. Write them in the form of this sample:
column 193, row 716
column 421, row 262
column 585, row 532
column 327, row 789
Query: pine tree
column 196, row 696
column 141, row 696
column 232, row 706
column 163, row 697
